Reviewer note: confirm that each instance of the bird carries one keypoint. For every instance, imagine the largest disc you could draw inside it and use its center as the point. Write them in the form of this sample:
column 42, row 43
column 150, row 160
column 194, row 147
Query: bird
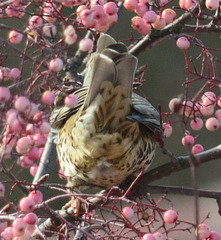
column 109, row 134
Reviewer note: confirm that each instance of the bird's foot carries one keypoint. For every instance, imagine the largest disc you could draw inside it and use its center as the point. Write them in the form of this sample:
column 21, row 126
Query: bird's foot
column 73, row 206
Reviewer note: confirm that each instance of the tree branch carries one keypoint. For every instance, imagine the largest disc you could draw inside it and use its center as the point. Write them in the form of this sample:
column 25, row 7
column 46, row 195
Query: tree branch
column 183, row 162
column 175, row 27
column 183, row 190
column 48, row 158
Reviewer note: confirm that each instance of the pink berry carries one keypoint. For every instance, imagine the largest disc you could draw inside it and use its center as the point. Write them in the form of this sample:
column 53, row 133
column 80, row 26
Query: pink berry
column 163, row 2
column 97, row 2
column 15, row 73
column 170, row 216
column 188, row 141
column 71, row 100
column 17, row 126
column 24, row 145
column 4, row 94
column 70, row 35
column 15, row 37
column 209, row 100
column 146, row 29
column 196, row 123
column 45, row 128
column 9, row 139
column 7, row 234
column 219, row 101
column 25, row 236
column 4, row 73
column 190, row 108
column 206, row 111
column 87, row 18
column 39, row 140
column 110, row 8
column 31, row 128
column 218, row 115
column 148, row 236
column 48, row 97
column 80, row 9
column 33, row 170
column 3, row 226
column 1, row 13
column 203, row 231
column 112, row 19
column 56, row 65
column 150, row 16
column 36, row 196
column 210, row 95
column 128, row 212
column 2, row 190
column 175, row 105
column 137, row 23
column 49, row 30
column 141, row 9
column 101, row 27
column 169, row 15
column 189, row 4
column 14, row 11
column 11, row 115
column 197, row 148
column 159, row 24
column 99, row 13
column 31, row 218
column 212, row 124
column 41, row 150
column 214, row 236
column 34, row 153
column 27, row 204
column 85, row 44
column 158, row 236
column 140, row 25
column 167, row 129
column 130, row 5
column 25, row 162
column 19, row 226
column 208, row 103
column 33, row 109
column 22, row 104
column 212, row 4
column 183, row 43
column 40, row 115
column 35, row 22
column 49, row 12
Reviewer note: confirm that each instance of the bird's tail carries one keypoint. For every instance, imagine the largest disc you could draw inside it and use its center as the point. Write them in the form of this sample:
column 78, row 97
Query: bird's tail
column 111, row 62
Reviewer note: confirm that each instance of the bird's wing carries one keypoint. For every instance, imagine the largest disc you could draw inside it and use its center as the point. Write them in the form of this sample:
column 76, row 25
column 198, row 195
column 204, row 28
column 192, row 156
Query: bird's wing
column 61, row 112
column 145, row 113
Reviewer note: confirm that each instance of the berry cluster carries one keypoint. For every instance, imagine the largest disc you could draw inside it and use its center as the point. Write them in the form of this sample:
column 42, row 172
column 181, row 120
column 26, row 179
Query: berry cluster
column 205, row 110
column 99, row 16
column 26, row 129
column 23, row 226
column 171, row 217
column 156, row 15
